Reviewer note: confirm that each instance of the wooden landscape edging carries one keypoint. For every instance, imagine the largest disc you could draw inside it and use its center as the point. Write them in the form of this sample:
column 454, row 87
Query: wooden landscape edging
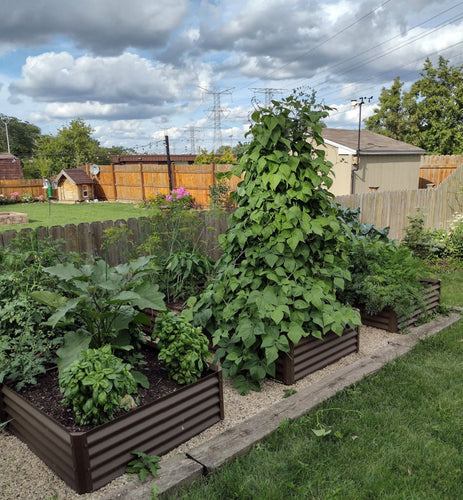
column 311, row 354
column 88, row 460
column 387, row 319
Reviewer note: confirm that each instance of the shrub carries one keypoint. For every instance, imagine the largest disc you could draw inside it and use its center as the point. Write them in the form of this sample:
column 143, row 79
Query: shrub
column 220, row 195
column 421, row 241
column 95, row 385
column 28, row 198
column 182, row 346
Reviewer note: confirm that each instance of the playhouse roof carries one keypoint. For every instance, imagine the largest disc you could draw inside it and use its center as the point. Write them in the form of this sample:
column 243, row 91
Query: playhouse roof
column 75, row 175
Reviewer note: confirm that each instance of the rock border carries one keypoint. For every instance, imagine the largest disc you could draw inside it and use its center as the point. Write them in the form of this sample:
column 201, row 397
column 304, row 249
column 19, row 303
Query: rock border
column 181, row 470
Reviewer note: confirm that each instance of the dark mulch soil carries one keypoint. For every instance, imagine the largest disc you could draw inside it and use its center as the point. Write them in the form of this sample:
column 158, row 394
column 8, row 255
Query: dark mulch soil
column 46, row 395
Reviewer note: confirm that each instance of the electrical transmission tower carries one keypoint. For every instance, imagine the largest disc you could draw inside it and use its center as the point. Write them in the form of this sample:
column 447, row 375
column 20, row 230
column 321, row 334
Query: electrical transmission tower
column 268, row 92
column 217, row 112
column 193, row 130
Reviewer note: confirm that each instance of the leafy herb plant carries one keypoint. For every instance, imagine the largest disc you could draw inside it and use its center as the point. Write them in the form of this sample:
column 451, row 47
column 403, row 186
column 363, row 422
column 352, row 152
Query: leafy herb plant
column 96, row 386
column 284, row 251
column 182, row 346
column 384, row 274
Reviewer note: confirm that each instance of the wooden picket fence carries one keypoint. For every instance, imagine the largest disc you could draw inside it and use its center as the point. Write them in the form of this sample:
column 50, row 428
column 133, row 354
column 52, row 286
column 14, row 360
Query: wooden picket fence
column 89, row 238
column 391, row 208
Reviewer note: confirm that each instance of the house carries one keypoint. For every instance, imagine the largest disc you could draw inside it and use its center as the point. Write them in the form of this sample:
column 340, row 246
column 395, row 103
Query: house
column 75, row 185
column 10, row 167
column 385, row 164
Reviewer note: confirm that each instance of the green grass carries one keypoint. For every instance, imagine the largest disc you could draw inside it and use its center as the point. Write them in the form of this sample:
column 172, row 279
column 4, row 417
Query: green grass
column 452, row 287
column 59, row 214
column 396, row 435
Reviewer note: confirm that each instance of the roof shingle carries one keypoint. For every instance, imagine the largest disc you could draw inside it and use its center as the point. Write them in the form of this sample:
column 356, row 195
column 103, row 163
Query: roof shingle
column 370, row 142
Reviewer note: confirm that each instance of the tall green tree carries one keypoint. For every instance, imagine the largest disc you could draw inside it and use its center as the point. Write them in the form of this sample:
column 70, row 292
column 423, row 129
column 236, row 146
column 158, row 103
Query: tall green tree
column 72, row 147
column 429, row 115
column 435, row 108
column 389, row 118
column 23, row 137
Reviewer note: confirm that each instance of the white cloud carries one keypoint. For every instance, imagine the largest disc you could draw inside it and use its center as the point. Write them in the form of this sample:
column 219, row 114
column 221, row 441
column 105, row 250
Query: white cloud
column 107, row 87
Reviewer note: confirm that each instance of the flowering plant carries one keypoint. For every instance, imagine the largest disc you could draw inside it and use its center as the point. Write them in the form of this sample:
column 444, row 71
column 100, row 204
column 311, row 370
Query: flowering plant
column 177, row 193
column 15, row 196
column 453, row 238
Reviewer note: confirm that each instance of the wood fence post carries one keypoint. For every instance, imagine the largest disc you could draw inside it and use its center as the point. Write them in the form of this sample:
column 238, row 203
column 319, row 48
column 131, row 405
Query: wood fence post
column 114, row 181
column 142, row 183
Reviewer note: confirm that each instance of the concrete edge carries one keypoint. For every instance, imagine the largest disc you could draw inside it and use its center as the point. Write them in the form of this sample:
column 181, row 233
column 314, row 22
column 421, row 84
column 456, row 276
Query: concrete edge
column 182, row 470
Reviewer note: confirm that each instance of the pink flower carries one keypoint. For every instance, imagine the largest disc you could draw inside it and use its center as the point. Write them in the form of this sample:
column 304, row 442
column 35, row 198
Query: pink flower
column 169, row 197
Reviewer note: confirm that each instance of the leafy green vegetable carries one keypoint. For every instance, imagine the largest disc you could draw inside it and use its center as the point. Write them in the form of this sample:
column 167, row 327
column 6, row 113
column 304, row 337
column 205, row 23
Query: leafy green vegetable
column 182, row 346
column 102, row 304
column 96, row 384
column 284, row 253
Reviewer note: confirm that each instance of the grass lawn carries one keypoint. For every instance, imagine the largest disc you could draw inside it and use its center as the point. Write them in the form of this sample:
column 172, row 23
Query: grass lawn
column 395, row 435
column 59, row 214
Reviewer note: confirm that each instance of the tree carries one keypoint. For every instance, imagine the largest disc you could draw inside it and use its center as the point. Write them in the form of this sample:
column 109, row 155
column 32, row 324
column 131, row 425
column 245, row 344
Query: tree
column 72, row 147
column 23, row 137
column 389, row 118
column 430, row 115
column 435, row 108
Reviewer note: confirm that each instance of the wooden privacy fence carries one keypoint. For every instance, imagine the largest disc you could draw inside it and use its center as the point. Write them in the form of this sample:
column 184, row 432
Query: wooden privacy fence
column 21, row 186
column 391, row 208
column 138, row 182
column 435, row 168
column 90, row 238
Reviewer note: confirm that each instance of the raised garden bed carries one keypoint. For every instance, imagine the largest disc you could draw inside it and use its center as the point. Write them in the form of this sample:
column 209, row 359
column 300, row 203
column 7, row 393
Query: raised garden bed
column 312, row 354
column 388, row 320
column 87, row 460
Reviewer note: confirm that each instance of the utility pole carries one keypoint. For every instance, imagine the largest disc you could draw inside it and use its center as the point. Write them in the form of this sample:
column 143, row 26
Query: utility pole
column 217, row 113
column 169, row 164
column 5, row 119
column 358, row 102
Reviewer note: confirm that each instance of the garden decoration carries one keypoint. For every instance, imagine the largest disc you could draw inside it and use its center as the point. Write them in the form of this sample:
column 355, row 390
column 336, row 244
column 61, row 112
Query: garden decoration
column 284, row 253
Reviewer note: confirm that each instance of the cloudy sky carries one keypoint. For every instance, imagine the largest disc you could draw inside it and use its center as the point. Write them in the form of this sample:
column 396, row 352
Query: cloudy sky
column 137, row 70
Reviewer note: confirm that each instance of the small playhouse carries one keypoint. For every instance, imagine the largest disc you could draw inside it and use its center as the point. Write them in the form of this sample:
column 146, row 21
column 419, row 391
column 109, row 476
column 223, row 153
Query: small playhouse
column 74, row 185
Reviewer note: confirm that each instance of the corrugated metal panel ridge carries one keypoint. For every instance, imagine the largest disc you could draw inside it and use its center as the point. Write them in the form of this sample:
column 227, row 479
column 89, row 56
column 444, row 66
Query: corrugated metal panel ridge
column 136, row 428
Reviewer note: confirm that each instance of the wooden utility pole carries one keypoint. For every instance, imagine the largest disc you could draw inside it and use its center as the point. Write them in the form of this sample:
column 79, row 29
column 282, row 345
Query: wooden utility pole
column 169, row 165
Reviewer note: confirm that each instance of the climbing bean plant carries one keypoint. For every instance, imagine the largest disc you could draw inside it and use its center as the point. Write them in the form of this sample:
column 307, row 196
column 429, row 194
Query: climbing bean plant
column 284, row 251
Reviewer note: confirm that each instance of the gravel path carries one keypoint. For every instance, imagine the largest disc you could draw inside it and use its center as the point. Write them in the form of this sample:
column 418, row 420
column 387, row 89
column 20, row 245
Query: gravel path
column 24, row 476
